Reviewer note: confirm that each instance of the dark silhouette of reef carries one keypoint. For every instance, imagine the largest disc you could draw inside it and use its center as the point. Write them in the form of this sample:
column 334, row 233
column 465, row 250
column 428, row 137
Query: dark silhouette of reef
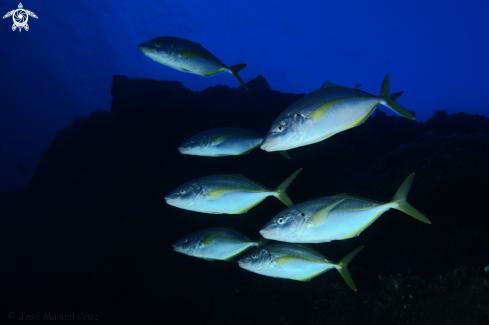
column 92, row 233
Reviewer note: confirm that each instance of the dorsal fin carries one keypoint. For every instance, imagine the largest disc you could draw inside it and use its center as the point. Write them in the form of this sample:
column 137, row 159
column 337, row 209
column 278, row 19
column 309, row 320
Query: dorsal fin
column 329, row 84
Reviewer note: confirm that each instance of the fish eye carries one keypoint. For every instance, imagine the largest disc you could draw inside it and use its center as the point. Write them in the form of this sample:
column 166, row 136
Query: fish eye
column 182, row 191
column 192, row 140
column 158, row 44
column 254, row 256
column 303, row 214
column 173, row 45
column 185, row 240
column 280, row 221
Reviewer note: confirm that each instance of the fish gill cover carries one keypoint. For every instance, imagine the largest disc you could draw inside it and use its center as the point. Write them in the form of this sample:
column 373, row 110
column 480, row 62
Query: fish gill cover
column 91, row 234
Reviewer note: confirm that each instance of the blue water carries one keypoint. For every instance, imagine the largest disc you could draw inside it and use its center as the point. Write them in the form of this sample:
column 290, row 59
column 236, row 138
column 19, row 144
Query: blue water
column 62, row 67
column 87, row 230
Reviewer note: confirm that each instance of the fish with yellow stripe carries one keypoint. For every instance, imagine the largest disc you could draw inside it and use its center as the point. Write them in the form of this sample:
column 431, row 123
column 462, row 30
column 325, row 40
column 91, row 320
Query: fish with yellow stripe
column 325, row 112
column 188, row 56
column 220, row 142
column 295, row 262
column 230, row 194
column 335, row 217
column 216, row 244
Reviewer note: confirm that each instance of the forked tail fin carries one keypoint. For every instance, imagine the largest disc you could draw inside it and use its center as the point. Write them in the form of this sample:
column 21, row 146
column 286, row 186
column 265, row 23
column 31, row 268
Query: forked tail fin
column 234, row 71
column 401, row 199
column 280, row 190
column 385, row 96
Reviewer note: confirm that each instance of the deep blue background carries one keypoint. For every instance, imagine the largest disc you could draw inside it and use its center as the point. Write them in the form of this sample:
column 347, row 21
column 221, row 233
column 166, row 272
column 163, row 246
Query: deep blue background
column 436, row 51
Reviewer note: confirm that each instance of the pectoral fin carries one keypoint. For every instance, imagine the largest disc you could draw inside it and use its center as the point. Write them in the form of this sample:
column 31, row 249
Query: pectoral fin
column 209, row 239
column 320, row 216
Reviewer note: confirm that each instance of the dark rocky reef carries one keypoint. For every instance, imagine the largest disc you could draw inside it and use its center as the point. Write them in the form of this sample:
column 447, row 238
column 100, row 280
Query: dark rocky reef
column 92, row 232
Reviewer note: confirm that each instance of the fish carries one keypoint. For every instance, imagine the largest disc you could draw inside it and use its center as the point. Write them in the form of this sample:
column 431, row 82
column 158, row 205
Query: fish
column 325, row 112
column 295, row 262
column 225, row 194
column 219, row 142
column 335, row 217
column 216, row 244
column 188, row 56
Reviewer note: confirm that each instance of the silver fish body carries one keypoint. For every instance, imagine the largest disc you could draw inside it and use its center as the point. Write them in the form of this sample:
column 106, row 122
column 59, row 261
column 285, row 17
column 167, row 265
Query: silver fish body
column 295, row 262
column 221, row 142
column 187, row 56
column 214, row 244
column 230, row 194
column 325, row 112
column 335, row 217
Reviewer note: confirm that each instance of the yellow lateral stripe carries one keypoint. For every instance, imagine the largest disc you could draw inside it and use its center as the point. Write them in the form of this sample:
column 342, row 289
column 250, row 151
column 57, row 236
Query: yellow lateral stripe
column 217, row 193
column 319, row 217
column 221, row 138
column 189, row 54
column 321, row 110
column 282, row 260
column 208, row 240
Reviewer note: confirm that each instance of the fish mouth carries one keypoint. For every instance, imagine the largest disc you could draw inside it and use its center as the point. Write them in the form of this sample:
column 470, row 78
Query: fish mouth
column 145, row 49
column 243, row 264
column 269, row 145
column 268, row 233
column 171, row 200
column 177, row 248
column 184, row 149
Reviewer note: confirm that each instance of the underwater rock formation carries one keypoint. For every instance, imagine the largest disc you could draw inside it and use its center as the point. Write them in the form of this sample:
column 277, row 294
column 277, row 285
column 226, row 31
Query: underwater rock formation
column 92, row 228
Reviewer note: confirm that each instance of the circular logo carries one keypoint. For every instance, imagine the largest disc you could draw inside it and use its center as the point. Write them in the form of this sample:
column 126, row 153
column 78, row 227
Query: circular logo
column 20, row 18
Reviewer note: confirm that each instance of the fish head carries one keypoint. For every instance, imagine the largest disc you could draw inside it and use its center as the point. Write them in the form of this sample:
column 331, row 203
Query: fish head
column 187, row 245
column 185, row 195
column 159, row 48
column 256, row 260
column 285, row 225
column 285, row 134
column 195, row 145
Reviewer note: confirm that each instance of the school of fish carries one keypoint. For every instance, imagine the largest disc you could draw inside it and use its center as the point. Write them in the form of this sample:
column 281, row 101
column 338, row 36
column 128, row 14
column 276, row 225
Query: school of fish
column 313, row 118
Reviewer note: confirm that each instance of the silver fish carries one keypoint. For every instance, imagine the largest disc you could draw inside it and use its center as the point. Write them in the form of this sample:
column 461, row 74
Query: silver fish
column 295, row 262
column 335, row 217
column 325, row 112
column 188, row 56
column 231, row 194
column 215, row 244
column 221, row 142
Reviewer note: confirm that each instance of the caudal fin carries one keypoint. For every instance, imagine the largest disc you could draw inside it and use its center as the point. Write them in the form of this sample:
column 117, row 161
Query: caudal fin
column 280, row 190
column 396, row 95
column 342, row 267
column 385, row 96
column 234, row 71
column 401, row 199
